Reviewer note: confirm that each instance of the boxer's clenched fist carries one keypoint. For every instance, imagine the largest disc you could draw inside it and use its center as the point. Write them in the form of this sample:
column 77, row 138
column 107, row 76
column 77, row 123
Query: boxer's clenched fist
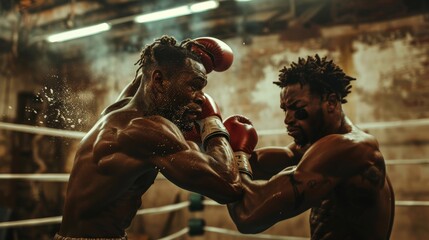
column 243, row 140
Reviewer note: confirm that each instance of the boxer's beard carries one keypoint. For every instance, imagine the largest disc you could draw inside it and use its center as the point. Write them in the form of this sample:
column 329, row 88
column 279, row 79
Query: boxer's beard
column 176, row 115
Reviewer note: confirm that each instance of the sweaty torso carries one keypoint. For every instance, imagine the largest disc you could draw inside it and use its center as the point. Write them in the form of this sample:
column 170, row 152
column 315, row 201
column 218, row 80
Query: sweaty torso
column 360, row 207
column 112, row 170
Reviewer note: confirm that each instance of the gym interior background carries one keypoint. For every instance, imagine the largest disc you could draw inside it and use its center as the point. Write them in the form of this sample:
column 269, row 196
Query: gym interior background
column 65, row 85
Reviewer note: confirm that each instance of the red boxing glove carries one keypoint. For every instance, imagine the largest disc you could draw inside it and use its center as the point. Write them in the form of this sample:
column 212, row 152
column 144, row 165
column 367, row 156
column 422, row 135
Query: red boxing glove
column 210, row 121
column 214, row 53
column 243, row 140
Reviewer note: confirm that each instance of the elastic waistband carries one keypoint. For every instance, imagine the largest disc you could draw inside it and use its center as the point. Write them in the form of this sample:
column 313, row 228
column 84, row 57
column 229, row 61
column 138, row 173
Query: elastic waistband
column 59, row 237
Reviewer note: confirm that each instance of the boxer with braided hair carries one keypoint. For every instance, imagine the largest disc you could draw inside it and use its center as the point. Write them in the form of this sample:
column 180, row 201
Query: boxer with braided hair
column 332, row 167
column 142, row 134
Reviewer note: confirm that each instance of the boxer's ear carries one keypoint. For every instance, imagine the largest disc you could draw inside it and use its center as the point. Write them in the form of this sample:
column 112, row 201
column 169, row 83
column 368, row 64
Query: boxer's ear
column 158, row 80
column 332, row 101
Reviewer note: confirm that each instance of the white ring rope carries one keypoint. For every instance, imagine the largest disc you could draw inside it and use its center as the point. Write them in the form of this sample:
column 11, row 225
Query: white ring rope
column 247, row 236
column 412, row 203
column 397, row 203
column 366, row 126
column 79, row 135
column 57, row 219
column 47, row 177
column 42, row 130
column 159, row 210
column 406, row 161
column 176, row 235
column 31, row 222
column 64, row 177
column 163, row 209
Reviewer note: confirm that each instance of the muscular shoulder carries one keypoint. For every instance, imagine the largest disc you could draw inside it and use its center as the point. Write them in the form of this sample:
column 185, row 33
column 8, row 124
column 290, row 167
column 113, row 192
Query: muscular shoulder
column 153, row 133
column 342, row 154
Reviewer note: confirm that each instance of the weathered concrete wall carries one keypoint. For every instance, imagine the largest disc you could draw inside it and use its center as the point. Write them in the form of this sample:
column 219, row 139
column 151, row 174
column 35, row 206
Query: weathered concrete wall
column 390, row 61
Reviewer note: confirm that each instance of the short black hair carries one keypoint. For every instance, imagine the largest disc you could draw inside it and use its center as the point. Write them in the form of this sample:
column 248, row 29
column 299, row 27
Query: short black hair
column 164, row 52
column 321, row 75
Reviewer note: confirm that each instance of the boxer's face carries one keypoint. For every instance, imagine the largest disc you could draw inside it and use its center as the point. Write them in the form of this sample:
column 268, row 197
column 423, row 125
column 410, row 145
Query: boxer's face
column 304, row 116
column 185, row 94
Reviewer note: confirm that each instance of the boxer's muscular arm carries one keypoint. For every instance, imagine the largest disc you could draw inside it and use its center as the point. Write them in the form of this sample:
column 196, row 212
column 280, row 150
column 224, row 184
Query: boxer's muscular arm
column 293, row 191
column 268, row 161
column 161, row 143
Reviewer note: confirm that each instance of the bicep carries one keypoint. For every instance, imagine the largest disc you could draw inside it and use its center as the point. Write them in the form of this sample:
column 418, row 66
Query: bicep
column 269, row 161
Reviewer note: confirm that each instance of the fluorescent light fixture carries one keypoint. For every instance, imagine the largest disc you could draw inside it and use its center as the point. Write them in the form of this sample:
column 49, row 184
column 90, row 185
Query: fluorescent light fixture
column 203, row 6
column 169, row 13
column 177, row 12
column 78, row 33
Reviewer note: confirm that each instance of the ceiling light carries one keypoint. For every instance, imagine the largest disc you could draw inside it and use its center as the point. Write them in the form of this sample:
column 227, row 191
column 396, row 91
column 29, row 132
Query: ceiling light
column 78, row 33
column 177, row 12
column 203, row 6
column 164, row 14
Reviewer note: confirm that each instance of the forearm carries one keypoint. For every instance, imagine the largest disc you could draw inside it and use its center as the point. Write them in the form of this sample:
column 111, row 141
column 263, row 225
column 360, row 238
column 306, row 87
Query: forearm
column 219, row 150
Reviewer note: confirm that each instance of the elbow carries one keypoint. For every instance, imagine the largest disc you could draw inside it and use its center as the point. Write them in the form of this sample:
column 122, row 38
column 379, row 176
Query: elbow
column 233, row 193
column 245, row 223
column 247, row 226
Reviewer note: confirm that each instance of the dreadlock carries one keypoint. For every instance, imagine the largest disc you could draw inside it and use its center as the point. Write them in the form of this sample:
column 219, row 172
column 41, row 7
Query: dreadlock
column 164, row 52
column 323, row 76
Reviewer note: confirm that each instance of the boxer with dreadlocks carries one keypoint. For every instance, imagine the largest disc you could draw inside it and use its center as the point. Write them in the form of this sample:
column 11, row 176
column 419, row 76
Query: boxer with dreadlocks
column 141, row 135
column 332, row 167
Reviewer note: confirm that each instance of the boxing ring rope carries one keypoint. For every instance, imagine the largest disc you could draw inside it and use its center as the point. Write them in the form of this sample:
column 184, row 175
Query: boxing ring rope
column 175, row 207
column 232, row 233
column 64, row 177
column 57, row 219
column 366, row 126
column 79, row 135
column 42, row 130
column 155, row 210
column 46, row 177
column 255, row 236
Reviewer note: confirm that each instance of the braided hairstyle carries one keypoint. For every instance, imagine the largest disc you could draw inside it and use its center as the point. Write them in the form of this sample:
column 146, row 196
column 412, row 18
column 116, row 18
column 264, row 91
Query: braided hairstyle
column 322, row 76
column 164, row 52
